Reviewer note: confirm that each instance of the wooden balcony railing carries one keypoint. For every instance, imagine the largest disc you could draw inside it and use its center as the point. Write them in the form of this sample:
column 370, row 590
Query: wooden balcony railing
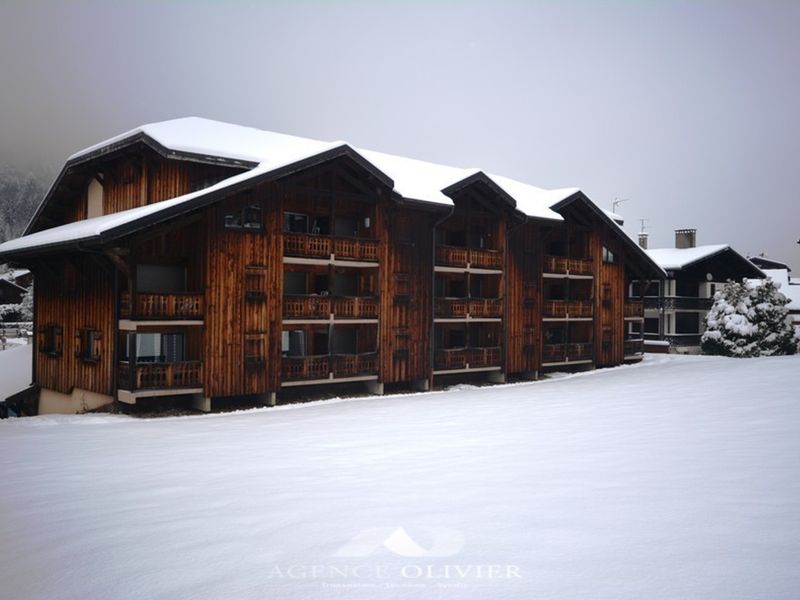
column 306, row 307
column 307, row 245
column 299, row 368
column 562, row 264
column 574, row 309
column 160, row 376
column 355, row 307
column 552, row 353
column 450, row 308
column 321, row 307
column 307, row 368
column 456, row 256
column 463, row 358
column 633, row 347
column 354, row 365
column 485, row 308
column 633, row 309
column 187, row 305
column 355, row 249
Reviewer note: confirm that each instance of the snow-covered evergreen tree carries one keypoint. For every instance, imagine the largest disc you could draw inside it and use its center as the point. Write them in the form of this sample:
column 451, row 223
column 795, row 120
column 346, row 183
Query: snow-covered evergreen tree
column 748, row 320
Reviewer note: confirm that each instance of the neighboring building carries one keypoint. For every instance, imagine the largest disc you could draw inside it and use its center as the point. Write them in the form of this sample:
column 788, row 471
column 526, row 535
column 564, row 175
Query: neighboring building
column 10, row 292
column 675, row 309
column 198, row 258
column 790, row 286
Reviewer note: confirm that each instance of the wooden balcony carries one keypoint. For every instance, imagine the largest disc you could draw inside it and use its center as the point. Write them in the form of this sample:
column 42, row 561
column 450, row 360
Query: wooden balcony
column 354, row 365
column 187, row 305
column 485, row 308
column 307, row 245
column 355, row 307
column 466, row 358
column 456, row 256
column 450, row 308
column 558, row 353
column 633, row 347
column 321, row 307
column 360, row 249
column 573, row 309
column 314, row 368
column 160, row 376
column 564, row 265
column 633, row 310
column 306, row 307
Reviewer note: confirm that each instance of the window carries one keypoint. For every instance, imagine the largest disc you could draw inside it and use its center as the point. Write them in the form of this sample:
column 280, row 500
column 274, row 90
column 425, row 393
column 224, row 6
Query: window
column 346, row 226
column 247, row 217
column 295, row 222
column 293, row 343
column 161, row 279
column 50, row 340
column 88, row 345
column 295, row 282
column 687, row 288
column 255, row 283
column 255, row 349
column 345, row 341
column 608, row 255
column 160, row 347
column 687, row 322
column 651, row 326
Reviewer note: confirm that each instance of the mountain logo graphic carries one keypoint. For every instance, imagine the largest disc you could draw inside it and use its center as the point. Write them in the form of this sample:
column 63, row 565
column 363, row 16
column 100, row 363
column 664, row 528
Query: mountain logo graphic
column 445, row 542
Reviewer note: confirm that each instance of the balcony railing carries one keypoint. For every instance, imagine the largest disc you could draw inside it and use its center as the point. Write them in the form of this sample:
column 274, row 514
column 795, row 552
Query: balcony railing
column 678, row 302
column 477, row 308
column 308, row 245
column 187, row 305
column 308, row 368
column 464, row 358
column 633, row 347
column 573, row 309
column 354, row 365
column 562, row 264
column 355, row 249
column 485, row 308
column 355, row 307
column 456, row 256
column 306, row 307
column 634, row 310
column 321, row 307
column 160, row 376
column 552, row 353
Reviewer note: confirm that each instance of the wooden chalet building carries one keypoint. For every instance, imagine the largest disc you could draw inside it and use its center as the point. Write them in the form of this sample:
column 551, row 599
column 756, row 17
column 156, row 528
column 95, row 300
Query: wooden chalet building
column 193, row 257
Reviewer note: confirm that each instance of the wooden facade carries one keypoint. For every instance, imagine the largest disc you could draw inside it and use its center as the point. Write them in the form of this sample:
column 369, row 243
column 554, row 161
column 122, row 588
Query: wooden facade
column 322, row 276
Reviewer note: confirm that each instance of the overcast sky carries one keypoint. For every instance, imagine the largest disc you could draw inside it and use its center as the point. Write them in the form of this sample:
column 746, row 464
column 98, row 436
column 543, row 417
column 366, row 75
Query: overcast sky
column 689, row 109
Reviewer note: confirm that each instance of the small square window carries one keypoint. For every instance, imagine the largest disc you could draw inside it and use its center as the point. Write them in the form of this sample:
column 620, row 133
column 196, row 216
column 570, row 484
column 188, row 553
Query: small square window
column 246, row 217
column 608, row 255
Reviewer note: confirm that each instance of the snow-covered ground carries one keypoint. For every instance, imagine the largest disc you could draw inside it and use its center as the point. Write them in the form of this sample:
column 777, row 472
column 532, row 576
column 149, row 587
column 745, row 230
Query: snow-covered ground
column 676, row 478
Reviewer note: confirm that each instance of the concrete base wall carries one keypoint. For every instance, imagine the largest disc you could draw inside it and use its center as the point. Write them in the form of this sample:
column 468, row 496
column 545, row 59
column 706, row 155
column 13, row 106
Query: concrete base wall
column 56, row 403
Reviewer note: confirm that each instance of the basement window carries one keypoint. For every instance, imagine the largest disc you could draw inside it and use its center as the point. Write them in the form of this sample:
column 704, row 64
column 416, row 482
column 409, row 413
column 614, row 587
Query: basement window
column 88, row 345
column 50, row 340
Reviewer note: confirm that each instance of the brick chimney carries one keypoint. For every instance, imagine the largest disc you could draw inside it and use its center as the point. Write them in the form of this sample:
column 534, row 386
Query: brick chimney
column 643, row 240
column 685, row 238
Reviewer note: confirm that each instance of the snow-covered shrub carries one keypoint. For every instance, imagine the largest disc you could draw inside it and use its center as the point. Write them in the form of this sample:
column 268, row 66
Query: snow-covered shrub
column 748, row 320
column 18, row 312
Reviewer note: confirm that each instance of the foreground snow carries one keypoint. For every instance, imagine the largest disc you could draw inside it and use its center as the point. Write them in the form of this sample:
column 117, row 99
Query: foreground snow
column 677, row 478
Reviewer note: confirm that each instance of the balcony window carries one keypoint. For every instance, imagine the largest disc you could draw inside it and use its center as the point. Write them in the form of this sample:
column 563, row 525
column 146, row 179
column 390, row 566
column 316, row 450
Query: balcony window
column 687, row 322
column 651, row 326
column 161, row 279
column 346, row 226
column 690, row 289
column 345, row 341
column 160, row 347
column 295, row 222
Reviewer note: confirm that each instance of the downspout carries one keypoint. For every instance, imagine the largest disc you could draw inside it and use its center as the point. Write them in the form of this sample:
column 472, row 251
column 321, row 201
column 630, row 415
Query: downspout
column 432, row 351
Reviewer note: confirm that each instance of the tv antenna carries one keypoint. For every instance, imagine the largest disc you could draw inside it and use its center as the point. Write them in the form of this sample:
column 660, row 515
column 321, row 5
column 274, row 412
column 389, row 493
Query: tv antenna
column 617, row 202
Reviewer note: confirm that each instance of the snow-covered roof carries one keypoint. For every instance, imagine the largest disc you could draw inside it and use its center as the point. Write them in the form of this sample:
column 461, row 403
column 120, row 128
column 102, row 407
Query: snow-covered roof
column 680, row 258
column 617, row 218
column 412, row 179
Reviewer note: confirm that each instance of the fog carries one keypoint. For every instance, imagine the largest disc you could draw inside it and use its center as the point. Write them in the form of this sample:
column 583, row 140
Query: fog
column 687, row 109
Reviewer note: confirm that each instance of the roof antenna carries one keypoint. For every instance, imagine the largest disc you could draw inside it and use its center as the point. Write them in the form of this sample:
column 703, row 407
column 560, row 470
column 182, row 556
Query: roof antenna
column 617, row 202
